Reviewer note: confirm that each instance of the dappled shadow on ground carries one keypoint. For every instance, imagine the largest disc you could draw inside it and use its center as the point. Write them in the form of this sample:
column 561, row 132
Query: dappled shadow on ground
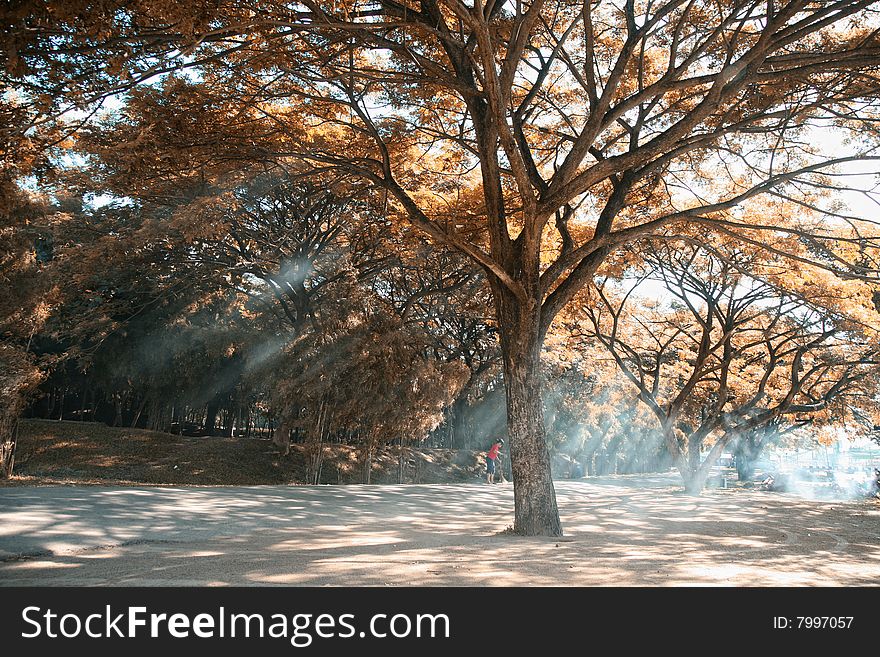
column 616, row 534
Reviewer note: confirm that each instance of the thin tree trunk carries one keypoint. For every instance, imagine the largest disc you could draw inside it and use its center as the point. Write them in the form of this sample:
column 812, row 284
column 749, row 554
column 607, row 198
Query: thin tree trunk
column 227, row 423
column 138, row 411
column 314, row 445
column 82, row 403
column 211, row 417
column 117, row 402
column 590, row 451
column 323, row 429
column 694, row 449
column 368, row 463
column 8, row 443
column 161, row 413
column 50, row 403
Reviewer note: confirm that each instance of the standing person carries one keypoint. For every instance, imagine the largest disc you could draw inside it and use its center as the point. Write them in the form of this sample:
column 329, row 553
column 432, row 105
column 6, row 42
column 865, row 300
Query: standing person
column 491, row 458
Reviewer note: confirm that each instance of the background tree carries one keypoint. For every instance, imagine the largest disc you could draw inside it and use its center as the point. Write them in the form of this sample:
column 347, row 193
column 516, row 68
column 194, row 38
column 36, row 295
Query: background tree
column 443, row 297
column 591, row 412
column 26, row 295
column 366, row 374
column 727, row 355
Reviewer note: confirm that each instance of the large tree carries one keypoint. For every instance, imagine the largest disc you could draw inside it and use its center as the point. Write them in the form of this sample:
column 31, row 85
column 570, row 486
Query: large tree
column 533, row 137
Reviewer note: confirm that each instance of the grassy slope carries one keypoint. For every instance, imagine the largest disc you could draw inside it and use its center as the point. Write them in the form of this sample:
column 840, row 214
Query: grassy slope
column 87, row 453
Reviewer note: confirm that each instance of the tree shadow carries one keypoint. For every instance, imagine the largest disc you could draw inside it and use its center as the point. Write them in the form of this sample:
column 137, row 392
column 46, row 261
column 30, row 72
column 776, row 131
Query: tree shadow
column 617, row 534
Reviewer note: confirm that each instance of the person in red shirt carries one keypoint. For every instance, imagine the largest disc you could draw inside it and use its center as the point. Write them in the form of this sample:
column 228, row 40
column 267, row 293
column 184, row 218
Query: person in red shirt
column 491, row 458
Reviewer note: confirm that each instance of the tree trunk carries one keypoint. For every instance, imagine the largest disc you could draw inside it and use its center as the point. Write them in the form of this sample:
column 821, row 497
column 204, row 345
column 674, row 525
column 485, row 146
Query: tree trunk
column 535, row 510
column 211, row 420
column 8, row 441
column 314, row 445
column 368, row 463
column 138, row 411
column 281, row 438
column 697, row 477
column 608, row 456
column 694, row 480
column 236, row 422
column 117, row 418
column 161, row 412
column 681, row 457
column 454, row 419
column 227, row 422
column 50, row 402
column 323, row 431
column 746, row 451
column 152, row 412
column 400, row 461
column 82, row 403
column 590, row 449
column 745, row 467
column 694, row 452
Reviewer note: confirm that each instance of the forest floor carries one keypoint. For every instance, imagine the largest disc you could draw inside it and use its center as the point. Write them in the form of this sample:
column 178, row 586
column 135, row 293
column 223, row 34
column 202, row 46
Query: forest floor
column 86, row 453
column 621, row 530
column 98, row 506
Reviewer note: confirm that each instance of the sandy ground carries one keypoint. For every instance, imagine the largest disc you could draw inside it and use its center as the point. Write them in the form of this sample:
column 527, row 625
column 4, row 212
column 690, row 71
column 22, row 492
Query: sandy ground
column 617, row 534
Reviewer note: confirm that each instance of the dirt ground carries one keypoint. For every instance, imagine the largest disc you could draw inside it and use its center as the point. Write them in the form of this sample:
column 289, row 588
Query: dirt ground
column 60, row 453
column 620, row 531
